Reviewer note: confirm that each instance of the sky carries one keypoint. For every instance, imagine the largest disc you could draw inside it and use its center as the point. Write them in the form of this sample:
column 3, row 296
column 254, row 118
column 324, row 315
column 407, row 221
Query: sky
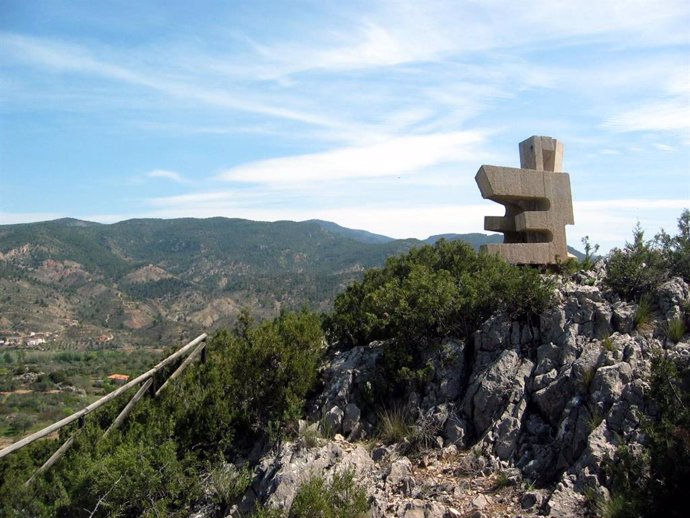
column 375, row 115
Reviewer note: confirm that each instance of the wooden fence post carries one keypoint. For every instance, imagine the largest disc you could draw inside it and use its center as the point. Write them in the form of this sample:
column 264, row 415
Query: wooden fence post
column 105, row 399
column 53, row 458
column 182, row 366
column 128, row 408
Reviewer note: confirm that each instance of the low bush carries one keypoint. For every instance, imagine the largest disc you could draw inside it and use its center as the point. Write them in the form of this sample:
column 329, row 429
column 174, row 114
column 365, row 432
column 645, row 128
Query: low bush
column 430, row 293
column 637, row 269
column 255, row 379
column 676, row 249
column 642, row 265
column 227, row 484
column 590, row 253
column 608, row 344
column 254, row 383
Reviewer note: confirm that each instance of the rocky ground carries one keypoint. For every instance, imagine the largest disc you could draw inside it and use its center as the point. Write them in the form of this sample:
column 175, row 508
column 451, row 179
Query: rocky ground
column 519, row 420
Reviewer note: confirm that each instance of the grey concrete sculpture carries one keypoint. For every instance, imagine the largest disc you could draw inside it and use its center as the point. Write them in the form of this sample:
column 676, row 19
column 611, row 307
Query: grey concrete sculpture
column 538, row 204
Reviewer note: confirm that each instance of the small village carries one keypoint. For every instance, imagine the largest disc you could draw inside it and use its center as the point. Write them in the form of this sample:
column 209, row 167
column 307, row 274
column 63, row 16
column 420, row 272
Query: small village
column 36, row 339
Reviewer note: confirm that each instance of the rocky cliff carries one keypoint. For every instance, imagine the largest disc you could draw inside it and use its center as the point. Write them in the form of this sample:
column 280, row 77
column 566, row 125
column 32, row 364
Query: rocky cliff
column 520, row 419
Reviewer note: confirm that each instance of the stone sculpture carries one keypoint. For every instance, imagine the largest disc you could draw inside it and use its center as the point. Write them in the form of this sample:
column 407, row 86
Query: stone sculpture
column 537, row 200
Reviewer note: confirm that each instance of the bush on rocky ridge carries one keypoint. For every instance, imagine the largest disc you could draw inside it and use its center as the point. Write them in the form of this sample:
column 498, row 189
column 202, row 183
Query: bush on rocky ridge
column 432, row 292
column 253, row 383
column 447, row 289
column 642, row 265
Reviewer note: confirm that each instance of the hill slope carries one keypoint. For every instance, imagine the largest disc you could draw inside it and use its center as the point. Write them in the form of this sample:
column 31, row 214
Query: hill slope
column 150, row 279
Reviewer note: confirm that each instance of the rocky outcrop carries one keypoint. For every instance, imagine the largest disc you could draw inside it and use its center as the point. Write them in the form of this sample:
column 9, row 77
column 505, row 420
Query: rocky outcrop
column 442, row 484
column 551, row 399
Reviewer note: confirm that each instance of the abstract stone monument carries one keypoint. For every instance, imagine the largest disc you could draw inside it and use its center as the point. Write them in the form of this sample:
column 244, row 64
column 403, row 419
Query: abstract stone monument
column 537, row 200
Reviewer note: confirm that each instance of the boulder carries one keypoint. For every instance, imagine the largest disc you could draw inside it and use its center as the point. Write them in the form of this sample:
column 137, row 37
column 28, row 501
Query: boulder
column 333, row 420
column 671, row 296
column 351, row 418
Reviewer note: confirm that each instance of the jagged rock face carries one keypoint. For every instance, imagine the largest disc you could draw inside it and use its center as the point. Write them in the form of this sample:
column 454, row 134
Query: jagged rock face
column 551, row 398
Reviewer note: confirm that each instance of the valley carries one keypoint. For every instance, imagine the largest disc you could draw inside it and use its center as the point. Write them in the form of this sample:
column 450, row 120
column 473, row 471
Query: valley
column 80, row 301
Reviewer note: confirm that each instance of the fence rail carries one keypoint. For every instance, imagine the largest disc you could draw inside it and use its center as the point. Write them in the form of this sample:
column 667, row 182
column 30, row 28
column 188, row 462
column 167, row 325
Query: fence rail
column 198, row 342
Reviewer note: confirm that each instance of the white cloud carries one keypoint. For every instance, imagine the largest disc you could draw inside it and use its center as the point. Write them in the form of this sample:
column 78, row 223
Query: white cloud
column 168, row 175
column 391, row 157
column 408, row 32
column 58, row 56
column 669, row 115
column 664, row 147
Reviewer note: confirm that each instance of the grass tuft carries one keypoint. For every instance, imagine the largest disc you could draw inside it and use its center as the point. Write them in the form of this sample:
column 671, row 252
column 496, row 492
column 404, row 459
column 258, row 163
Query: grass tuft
column 675, row 329
column 608, row 344
column 643, row 314
column 394, row 425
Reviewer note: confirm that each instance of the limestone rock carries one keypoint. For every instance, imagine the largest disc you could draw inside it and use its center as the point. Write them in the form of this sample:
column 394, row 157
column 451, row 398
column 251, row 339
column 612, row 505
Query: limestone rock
column 333, row 420
column 399, row 472
column 623, row 317
column 671, row 295
column 350, row 418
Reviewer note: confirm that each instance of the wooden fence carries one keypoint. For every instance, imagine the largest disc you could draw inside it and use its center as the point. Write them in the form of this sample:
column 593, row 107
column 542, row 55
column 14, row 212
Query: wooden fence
column 196, row 346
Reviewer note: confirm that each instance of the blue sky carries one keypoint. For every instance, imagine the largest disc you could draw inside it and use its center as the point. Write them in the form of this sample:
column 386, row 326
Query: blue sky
column 375, row 115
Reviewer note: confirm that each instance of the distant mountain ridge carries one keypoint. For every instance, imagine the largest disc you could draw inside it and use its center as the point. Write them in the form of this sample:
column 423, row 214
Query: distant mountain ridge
column 362, row 236
column 152, row 279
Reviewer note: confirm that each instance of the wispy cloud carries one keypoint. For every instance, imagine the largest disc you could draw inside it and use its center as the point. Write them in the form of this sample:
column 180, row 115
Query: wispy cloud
column 62, row 57
column 391, row 157
column 408, row 32
column 168, row 175
column 672, row 115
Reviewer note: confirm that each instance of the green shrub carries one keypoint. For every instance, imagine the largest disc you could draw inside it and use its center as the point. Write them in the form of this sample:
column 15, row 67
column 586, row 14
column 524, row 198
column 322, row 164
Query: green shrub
column 432, row 292
column 627, row 476
column 637, row 269
column 669, row 436
column 310, row 435
column 590, row 253
column 21, row 423
column 58, row 377
column 268, row 512
column 501, row 481
column 254, row 382
column 132, row 478
column 588, row 375
column 676, row 249
column 255, row 379
column 341, row 498
column 595, row 418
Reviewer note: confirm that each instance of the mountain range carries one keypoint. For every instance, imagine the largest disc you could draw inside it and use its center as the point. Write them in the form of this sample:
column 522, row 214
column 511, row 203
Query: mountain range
column 146, row 280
